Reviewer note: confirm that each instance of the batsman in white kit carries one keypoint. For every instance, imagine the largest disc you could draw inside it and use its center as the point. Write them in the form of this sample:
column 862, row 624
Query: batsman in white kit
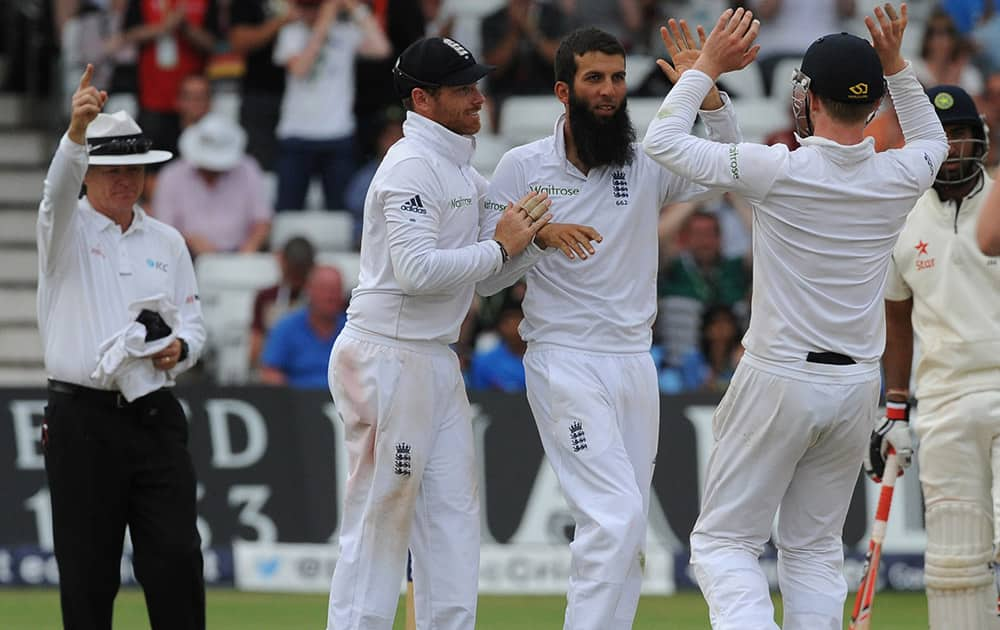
column 395, row 381
column 793, row 426
column 945, row 292
column 591, row 381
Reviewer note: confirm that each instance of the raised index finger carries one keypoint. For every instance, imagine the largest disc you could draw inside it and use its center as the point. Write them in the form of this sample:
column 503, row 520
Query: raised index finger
column 87, row 75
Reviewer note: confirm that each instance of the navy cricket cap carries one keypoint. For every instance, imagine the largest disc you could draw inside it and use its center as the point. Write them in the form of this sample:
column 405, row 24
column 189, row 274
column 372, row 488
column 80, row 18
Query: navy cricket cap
column 954, row 105
column 844, row 68
column 436, row 61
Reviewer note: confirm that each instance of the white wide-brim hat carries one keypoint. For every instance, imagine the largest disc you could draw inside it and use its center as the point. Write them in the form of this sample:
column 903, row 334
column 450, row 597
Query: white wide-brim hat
column 117, row 140
column 214, row 143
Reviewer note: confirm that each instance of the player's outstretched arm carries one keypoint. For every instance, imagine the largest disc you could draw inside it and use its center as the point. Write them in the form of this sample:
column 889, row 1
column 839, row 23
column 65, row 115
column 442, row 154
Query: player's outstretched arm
column 988, row 230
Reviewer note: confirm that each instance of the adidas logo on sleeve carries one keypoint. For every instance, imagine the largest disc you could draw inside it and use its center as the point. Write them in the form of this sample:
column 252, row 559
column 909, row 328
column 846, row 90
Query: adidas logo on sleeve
column 414, row 205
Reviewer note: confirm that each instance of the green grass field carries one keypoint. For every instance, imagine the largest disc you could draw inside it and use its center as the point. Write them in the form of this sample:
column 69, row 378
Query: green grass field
column 31, row 609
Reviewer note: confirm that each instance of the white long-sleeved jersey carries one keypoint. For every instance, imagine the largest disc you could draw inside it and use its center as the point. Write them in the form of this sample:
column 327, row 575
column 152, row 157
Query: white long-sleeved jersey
column 423, row 247
column 606, row 303
column 956, row 295
column 826, row 218
column 90, row 272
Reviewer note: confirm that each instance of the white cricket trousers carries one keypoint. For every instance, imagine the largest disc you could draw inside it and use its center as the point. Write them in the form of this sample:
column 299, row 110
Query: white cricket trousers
column 598, row 417
column 788, row 438
column 412, row 483
column 959, row 457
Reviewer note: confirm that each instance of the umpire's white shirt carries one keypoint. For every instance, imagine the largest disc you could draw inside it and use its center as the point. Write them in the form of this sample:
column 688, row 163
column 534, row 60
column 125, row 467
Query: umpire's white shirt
column 421, row 248
column 826, row 218
column 607, row 302
column 956, row 295
column 90, row 272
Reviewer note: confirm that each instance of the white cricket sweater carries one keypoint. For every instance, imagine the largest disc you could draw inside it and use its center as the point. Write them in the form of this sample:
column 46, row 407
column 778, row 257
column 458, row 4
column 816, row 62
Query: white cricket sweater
column 826, row 218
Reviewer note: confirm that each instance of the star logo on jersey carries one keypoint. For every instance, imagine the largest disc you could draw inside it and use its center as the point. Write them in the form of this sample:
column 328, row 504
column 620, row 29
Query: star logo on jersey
column 923, row 263
column 921, row 248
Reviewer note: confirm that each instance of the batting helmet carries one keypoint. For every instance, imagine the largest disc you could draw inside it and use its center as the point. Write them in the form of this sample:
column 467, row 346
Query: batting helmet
column 954, row 106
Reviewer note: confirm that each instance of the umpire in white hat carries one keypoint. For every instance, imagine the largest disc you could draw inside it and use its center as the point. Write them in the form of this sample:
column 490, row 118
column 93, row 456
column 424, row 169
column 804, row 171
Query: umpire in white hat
column 116, row 456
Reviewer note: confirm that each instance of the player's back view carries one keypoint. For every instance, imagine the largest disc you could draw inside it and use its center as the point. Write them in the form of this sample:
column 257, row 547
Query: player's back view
column 792, row 428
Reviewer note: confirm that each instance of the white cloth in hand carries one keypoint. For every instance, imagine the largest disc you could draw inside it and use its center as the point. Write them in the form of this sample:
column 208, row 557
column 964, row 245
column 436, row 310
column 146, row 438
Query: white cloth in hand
column 124, row 364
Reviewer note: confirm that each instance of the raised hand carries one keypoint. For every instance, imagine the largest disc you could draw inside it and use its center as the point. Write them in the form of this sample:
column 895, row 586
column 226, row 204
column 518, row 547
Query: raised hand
column 87, row 104
column 684, row 52
column 730, row 44
column 681, row 48
column 572, row 239
column 887, row 36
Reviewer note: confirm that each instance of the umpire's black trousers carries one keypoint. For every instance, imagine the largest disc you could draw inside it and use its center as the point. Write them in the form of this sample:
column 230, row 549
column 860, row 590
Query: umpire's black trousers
column 111, row 464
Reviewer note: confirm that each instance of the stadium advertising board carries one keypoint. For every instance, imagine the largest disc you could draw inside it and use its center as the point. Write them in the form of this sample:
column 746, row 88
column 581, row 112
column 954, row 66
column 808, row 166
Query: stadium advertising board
column 272, row 465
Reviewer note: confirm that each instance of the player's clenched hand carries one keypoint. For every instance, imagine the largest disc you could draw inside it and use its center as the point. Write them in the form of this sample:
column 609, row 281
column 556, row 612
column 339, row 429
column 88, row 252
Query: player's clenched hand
column 517, row 227
column 893, row 431
column 572, row 239
column 887, row 37
column 87, row 104
column 730, row 44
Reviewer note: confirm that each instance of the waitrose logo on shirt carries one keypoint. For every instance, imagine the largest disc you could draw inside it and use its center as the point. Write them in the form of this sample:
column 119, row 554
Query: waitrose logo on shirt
column 460, row 202
column 554, row 191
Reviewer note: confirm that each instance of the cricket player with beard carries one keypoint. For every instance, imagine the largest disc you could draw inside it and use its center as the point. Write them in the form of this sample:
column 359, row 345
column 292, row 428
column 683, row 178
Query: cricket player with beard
column 591, row 381
column 946, row 293
column 795, row 421
column 395, row 381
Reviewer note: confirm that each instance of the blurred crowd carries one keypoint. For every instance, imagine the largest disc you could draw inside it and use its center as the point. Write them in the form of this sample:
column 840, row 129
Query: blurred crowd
column 316, row 102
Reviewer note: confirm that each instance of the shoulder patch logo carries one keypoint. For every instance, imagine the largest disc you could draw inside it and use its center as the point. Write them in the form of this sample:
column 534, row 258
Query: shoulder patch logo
column 414, row 205
column 577, row 438
column 401, row 463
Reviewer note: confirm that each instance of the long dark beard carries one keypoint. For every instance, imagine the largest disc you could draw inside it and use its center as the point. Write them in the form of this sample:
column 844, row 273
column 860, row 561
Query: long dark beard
column 601, row 141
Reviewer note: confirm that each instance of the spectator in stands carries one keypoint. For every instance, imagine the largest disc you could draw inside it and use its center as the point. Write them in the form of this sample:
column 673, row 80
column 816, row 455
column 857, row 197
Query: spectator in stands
column 297, row 351
column 990, row 107
column 194, row 99
column 254, row 27
column 501, row 367
column 945, row 56
column 787, row 27
column 712, row 363
column 318, row 51
column 174, row 39
column 296, row 261
column 390, row 130
column 214, row 195
column 698, row 277
column 521, row 39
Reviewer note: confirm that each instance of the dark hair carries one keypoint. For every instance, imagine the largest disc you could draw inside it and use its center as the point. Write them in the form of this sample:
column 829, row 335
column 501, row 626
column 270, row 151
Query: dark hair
column 580, row 42
column 408, row 100
column 299, row 252
column 847, row 112
column 943, row 18
column 708, row 317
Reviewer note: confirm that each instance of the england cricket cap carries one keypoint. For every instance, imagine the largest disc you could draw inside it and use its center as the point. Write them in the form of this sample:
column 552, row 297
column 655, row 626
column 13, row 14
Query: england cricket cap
column 954, row 105
column 844, row 68
column 436, row 61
